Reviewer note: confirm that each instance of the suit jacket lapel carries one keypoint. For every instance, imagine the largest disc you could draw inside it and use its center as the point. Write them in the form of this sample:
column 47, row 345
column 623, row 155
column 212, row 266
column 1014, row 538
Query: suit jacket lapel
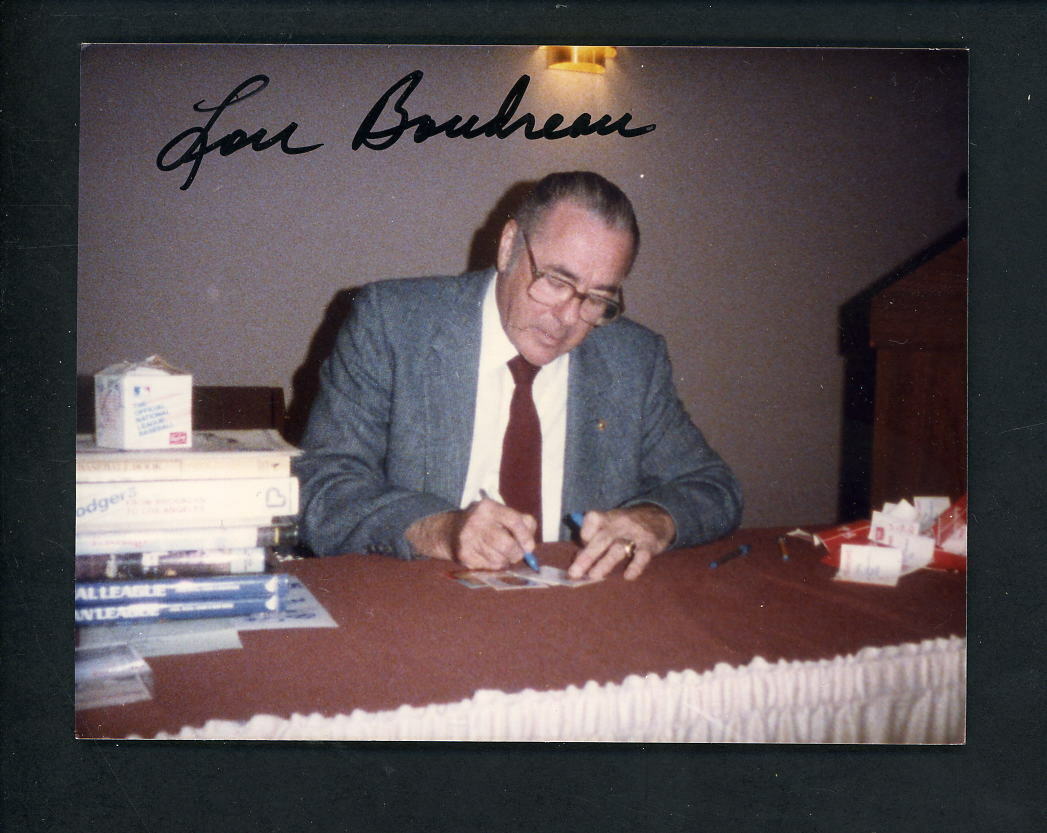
column 589, row 418
column 450, row 387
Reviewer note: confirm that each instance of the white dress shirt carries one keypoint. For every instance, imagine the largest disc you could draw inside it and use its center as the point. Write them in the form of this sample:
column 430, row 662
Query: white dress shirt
column 494, row 393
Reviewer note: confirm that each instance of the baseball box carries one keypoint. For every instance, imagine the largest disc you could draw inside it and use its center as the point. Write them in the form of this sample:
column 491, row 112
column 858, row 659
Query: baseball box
column 146, row 404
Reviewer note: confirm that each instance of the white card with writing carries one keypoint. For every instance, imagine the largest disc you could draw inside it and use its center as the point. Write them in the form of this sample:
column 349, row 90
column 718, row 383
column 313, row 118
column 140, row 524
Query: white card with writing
column 928, row 509
column 883, row 526
column 870, row 564
column 917, row 551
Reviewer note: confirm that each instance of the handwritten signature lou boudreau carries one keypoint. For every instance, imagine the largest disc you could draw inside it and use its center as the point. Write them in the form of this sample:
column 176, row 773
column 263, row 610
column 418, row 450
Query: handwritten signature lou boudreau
column 191, row 145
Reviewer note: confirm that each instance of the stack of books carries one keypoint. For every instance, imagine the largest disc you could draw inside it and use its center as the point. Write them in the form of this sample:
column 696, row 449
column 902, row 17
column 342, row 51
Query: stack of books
column 183, row 533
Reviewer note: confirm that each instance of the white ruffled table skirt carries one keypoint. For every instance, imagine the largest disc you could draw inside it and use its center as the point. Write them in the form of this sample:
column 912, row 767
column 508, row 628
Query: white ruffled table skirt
column 912, row 693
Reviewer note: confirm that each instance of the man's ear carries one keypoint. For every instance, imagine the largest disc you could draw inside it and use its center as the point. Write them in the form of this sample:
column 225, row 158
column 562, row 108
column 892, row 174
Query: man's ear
column 505, row 245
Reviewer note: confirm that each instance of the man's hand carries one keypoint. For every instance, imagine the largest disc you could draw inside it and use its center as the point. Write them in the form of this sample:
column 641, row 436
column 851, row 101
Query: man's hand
column 486, row 535
column 608, row 538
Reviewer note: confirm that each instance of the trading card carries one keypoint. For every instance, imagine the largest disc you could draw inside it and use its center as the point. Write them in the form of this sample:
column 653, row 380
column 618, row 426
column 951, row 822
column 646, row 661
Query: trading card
column 558, row 577
column 469, row 578
column 510, row 580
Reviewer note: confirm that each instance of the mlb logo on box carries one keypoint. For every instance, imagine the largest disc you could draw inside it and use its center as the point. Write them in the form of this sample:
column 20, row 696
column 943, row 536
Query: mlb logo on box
column 145, row 404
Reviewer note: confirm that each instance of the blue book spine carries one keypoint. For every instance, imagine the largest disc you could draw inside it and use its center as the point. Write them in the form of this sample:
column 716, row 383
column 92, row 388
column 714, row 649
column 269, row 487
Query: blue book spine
column 197, row 588
column 165, row 611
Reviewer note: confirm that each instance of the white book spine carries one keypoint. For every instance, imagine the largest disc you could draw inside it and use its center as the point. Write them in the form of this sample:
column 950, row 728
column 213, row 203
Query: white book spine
column 105, row 541
column 184, row 467
column 183, row 503
column 235, row 453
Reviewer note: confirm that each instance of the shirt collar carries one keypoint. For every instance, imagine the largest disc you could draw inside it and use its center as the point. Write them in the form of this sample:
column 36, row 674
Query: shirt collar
column 495, row 349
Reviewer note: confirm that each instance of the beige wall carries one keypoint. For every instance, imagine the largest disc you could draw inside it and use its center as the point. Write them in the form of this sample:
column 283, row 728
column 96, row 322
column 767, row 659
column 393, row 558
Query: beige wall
column 777, row 185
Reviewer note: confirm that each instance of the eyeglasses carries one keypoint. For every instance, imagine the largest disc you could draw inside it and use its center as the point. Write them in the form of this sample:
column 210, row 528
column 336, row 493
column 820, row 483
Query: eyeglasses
column 552, row 290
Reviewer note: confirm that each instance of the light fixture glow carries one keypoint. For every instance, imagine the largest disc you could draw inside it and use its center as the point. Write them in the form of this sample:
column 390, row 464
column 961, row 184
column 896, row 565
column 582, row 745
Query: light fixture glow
column 579, row 58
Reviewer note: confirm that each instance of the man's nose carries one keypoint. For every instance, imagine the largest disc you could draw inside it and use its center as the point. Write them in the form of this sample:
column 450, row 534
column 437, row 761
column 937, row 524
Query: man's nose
column 569, row 311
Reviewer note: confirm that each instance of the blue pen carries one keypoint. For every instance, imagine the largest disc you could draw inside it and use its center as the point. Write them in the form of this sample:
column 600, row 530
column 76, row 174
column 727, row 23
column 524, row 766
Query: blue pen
column 529, row 557
column 738, row 553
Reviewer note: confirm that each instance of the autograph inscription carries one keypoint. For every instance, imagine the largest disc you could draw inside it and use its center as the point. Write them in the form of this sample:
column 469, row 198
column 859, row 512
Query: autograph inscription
column 191, row 145
column 425, row 126
column 230, row 143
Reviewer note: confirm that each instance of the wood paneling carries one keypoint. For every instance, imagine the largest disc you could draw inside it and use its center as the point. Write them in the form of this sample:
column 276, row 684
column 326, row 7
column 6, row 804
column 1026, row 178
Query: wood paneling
column 918, row 326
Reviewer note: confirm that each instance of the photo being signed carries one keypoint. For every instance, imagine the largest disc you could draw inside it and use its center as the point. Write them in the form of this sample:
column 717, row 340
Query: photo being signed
column 500, row 126
column 560, row 391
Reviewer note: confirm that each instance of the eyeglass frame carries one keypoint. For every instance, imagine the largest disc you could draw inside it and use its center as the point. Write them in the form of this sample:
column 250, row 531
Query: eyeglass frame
column 618, row 303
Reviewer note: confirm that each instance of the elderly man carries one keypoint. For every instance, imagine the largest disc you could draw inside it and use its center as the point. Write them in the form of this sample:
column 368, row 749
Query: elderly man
column 466, row 418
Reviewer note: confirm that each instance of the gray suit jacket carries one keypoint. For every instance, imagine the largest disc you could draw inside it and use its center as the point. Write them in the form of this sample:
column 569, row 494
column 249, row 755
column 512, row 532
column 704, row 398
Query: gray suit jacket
column 389, row 435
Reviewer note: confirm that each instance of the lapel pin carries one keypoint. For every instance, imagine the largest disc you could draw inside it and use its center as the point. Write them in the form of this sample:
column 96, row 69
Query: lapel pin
column 601, row 424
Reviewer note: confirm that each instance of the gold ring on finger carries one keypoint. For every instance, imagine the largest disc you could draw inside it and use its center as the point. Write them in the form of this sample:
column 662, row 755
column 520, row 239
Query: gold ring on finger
column 630, row 549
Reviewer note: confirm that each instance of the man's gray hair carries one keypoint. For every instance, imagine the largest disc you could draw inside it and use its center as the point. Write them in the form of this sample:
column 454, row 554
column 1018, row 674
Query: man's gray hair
column 586, row 189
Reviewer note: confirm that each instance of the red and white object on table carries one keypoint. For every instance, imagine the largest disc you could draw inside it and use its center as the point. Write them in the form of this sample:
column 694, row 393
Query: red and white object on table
column 930, row 532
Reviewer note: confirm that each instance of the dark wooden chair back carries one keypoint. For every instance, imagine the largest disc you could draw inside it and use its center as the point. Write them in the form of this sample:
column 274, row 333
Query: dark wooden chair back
column 218, row 406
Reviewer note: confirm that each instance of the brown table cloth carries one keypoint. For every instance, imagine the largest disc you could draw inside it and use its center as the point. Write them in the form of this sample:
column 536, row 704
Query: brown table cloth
column 409, row 634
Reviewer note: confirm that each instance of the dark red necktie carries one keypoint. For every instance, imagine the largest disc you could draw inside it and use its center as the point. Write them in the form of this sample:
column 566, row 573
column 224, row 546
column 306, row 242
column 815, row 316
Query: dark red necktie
column 520, row 478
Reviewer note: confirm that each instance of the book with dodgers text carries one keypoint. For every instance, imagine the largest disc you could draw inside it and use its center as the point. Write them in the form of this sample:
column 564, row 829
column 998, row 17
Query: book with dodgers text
column 282, row 532
column 199, row 588
column 224, row 454
column 185, row 503
column 119, row 566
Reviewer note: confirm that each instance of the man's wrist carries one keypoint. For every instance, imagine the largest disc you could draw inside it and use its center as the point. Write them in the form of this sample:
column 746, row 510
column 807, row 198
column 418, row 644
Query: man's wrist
column 657, row 520
column 432, row 535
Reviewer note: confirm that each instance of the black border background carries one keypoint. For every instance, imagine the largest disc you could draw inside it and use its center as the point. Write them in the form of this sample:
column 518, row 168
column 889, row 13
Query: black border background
column 53, row 783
